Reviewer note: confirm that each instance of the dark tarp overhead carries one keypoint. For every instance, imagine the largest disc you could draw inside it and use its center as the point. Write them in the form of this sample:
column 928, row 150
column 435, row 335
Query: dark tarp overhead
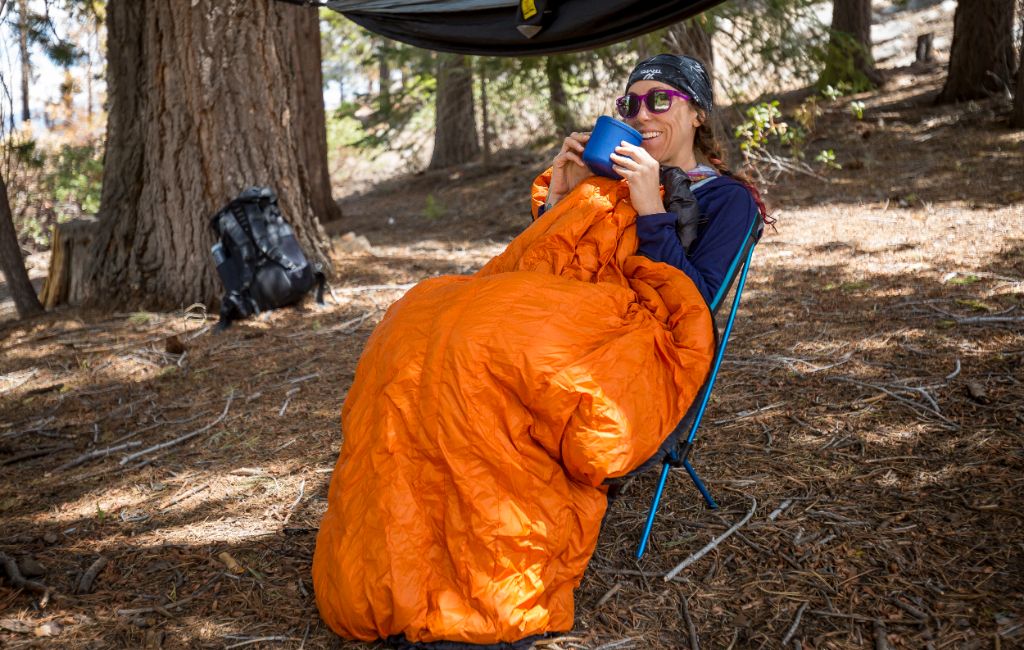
column 492, row 27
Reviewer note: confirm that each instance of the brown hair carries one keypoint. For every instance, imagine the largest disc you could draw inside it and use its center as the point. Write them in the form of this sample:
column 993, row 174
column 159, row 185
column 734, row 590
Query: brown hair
column 707, row 144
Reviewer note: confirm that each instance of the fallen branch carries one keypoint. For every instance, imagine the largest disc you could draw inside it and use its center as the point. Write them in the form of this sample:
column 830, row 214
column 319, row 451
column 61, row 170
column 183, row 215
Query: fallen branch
column 616, row 644
column 694, row 640
column 916, row 406
column 302, row 491
column 34, row 453
column 881, row 638
column 178, row 603
column 715, row 542
column 746, row 414
column 85, row 584
column 796, row 623
column 190, row 493
column 956, row 371
column 18, row 580
column 181, row 439
column 97, row 453
column 375, row 287
column 608, row 595
column 287, row 400
column 21, row 582
column 861, row 618
column 261, row 639
column 775, row 515
column 980, row 274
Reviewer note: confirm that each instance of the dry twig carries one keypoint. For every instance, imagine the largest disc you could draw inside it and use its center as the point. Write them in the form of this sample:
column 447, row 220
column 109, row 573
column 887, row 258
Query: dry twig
column 715, row 542
column 181, row 439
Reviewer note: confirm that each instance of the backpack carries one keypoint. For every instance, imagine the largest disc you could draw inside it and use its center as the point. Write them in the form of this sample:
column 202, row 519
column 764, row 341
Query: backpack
column 258, row 257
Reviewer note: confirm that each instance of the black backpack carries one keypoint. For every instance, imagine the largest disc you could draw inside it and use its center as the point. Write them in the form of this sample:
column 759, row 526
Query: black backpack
column 258, row 258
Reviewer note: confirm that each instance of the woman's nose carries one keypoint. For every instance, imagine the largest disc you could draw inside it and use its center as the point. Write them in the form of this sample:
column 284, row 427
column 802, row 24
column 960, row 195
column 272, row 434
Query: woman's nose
column 643, row 113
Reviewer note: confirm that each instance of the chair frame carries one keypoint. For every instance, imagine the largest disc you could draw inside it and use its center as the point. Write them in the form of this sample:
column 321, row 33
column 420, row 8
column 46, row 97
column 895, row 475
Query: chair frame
column 679, row 455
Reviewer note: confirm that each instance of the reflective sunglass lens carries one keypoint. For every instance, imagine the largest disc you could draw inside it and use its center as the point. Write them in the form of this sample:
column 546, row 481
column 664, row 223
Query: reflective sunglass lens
column 658, row 101
column 628, row 105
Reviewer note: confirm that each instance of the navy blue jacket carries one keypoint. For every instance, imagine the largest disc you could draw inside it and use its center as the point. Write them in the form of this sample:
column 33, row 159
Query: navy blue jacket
column 727, row 211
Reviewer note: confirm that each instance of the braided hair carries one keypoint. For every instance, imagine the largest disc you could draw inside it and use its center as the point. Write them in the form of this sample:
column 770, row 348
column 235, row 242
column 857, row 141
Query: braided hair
column 707, row 144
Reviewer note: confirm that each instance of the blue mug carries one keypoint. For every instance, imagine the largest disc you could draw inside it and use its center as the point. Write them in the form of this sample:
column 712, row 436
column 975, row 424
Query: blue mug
column 608, row 133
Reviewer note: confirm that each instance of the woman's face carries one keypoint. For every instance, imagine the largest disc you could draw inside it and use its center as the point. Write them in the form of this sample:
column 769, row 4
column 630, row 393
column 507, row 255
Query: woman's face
column 668, row 136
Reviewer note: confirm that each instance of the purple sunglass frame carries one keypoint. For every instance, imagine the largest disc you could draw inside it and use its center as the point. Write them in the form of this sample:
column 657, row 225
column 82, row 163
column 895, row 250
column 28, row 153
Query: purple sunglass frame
column 643, row 99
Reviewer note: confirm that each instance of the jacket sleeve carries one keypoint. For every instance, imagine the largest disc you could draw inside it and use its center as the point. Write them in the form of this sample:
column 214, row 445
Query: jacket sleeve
column 715, row 248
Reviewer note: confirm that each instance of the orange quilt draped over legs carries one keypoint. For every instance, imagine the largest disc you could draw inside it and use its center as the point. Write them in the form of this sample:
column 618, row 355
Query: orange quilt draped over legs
column 485, row 413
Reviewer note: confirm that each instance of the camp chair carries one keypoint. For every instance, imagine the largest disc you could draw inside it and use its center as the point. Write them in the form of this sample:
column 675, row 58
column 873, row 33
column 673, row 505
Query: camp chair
column 677, row 455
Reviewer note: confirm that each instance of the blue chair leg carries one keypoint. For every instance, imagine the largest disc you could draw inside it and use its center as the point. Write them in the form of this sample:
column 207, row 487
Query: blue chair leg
column 700, row 485
column 654, row 511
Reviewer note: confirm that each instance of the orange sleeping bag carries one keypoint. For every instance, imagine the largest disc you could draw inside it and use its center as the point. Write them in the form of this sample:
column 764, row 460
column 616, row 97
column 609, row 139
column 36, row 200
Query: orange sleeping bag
column 485, row 413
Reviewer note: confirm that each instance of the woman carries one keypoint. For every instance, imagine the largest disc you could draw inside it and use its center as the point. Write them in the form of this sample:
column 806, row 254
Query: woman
column 489, row 411
column 669, row 100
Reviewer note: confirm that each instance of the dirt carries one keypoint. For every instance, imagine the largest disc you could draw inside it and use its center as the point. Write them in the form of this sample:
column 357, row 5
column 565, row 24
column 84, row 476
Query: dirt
column 871, row 402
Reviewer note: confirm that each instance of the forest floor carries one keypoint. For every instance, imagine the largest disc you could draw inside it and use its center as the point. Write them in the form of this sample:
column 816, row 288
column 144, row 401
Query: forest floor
column 871, row 402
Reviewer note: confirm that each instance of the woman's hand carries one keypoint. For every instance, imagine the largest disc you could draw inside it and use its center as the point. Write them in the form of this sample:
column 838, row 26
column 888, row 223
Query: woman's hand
column 642, row 171
column 568, row 168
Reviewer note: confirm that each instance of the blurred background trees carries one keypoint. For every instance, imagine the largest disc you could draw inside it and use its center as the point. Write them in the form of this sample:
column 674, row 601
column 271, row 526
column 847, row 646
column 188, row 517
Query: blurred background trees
column 84, row 95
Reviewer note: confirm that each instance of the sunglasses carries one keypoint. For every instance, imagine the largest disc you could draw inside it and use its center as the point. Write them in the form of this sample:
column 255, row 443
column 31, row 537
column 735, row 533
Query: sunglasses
column 658, row 100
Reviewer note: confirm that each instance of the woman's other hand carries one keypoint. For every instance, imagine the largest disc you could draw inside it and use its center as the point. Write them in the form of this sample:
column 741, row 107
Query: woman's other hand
column 643, row 173
column 568, row 168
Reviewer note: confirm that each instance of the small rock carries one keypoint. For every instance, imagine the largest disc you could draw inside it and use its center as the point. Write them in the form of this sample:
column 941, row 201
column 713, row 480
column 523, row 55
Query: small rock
column 50, row 538
column 52, row 628
column 30, row 568
column 977, row 392
column 353, row 243
column 143, row 621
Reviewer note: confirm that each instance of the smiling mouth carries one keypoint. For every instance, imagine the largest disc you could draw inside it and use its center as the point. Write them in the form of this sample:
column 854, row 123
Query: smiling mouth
column 650, row 135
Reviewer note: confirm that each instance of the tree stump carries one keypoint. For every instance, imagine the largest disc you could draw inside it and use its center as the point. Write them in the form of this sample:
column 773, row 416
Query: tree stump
column 68, row 259
column 924, row 48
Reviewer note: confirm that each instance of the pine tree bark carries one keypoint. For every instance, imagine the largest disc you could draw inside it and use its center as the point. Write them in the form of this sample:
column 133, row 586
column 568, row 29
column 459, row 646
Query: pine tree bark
column 849, row 49
column 26, row 59
column 310, row 119
column 562, row 118
column 981, row 57
column 1017, row 115
column 206, row 99
column 12, row 263
column 485, row 116
column 455, row 140
column 384, row 73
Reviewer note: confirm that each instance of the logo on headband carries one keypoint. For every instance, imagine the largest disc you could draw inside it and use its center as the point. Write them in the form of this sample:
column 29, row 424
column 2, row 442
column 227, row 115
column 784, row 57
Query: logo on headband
column 651, row 74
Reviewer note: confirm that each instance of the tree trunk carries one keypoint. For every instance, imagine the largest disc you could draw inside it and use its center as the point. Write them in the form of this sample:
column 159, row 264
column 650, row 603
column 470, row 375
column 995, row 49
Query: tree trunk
column 12, row 263
column 384, row 72
column 206, row 99
column 849, row 56
column 562, row 117
column 485, row 116
column 1017, row 116
column 693, row 38
column 26, row 60
column 981, row 57
column 455, row 140
column 310, row 120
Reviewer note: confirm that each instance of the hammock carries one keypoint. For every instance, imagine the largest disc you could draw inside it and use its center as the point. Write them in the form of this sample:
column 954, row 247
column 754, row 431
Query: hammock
column 513, row 27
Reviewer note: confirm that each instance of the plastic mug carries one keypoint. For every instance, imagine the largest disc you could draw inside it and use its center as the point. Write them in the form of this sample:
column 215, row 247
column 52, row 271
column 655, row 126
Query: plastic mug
column 608, row 133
